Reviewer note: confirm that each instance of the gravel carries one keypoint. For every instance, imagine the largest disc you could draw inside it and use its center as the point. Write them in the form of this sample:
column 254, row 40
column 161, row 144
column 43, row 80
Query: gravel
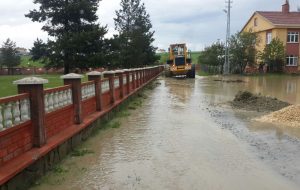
column 289, row 116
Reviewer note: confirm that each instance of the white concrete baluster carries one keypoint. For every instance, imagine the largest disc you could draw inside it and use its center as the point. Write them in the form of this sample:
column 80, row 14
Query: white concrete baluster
column 50, row 102
column 93, row 90
column 16, row 113
column 1, row 119
column 28, row 108
column 64, row 94
column 8, row 115
column 60, row 99
column 88, row 89
column 25, row 115
column 83, row 92
column 46, row 97
column 55, row 100
column 70, row 96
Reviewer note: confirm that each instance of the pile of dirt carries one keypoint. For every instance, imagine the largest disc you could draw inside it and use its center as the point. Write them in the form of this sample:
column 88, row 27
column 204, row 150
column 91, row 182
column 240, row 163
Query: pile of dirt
column 248, row 101
column 289, row 116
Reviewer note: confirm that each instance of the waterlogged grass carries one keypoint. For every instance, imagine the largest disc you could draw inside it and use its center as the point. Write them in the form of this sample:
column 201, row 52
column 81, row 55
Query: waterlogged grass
column 81, row 152
column 7, row 88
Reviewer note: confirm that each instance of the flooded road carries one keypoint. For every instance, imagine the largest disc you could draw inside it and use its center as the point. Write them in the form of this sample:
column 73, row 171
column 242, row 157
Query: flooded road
column 185, row 136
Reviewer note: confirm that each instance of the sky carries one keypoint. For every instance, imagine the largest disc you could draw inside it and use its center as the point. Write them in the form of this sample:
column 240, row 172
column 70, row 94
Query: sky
column 195, row 22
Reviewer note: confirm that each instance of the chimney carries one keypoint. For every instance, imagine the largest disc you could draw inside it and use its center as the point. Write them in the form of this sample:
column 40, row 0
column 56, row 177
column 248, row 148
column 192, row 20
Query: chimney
column 286, row 7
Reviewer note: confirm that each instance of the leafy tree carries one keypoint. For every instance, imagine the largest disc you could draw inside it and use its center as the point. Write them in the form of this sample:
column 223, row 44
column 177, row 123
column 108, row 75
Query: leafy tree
column 213, row 56
column 9, row 56
column 39, row 50
column 76, row 37
column 135, row 35
column 274, row 55
column 242, row 50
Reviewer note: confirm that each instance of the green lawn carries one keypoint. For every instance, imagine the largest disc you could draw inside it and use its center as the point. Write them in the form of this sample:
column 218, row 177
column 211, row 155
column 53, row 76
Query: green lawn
column 7, row 88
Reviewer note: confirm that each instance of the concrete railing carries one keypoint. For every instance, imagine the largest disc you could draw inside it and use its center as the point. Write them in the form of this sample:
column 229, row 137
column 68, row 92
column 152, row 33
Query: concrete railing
column 14, row 111
column 32, row 118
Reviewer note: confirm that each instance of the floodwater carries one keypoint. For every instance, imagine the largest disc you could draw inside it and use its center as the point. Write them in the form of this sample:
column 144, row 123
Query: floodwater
column 185, row 136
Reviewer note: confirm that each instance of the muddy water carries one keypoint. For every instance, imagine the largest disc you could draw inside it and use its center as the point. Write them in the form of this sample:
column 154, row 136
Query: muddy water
column 186, row 137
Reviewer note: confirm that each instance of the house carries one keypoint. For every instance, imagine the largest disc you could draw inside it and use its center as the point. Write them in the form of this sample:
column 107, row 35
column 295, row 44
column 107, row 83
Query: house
column 284, row 25
column 161, row 51
column 21, row 51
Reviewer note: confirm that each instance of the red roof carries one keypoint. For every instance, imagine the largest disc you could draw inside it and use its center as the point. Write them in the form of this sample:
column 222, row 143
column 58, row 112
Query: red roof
column 280, row 18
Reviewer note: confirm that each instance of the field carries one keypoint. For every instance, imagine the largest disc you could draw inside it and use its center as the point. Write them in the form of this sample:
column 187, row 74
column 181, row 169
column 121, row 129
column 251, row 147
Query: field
column 164, row 57
column 7, row 88
column 26, row 62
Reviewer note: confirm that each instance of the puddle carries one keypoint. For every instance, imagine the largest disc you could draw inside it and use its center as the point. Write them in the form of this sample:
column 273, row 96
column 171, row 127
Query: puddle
column 183, row 137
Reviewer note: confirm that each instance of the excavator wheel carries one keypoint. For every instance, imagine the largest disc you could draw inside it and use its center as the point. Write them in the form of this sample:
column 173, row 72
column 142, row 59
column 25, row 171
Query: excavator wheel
column 192, row 72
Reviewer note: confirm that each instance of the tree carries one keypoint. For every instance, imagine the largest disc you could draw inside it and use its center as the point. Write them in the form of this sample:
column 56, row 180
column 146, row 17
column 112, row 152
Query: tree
column 242, row 50
column 135, row 35
column 213, row 56
column 274, row 55
column 9, row 56
column 39, row 50
column 76, row 39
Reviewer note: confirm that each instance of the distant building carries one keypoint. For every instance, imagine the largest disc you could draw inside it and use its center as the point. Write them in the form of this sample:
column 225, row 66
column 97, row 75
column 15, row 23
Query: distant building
column 22, row 51
column 284, row 25
column 161, row 51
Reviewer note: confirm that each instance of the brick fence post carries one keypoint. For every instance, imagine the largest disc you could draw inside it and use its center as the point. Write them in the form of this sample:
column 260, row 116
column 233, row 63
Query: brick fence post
column 111, row 78
column 35, row 88
column 120, row 73
column 96, row 77
column 132, row 71
column 127, row 73
column 75, row 81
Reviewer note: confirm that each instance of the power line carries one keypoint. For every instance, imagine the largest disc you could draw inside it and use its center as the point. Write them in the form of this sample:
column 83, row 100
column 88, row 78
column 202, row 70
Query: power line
column 227, row 49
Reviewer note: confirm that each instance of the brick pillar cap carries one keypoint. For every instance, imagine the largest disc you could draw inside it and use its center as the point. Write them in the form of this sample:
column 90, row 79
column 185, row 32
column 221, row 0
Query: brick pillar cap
column 72, row 76
column 119, row 71
column 109, row 72
column 31, row 80
column 94, row 73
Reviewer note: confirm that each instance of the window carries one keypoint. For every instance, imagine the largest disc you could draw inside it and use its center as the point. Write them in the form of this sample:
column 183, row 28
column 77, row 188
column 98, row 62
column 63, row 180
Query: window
column 255, row 22
column 293, row 37
column 292, row 61
column 269, row 37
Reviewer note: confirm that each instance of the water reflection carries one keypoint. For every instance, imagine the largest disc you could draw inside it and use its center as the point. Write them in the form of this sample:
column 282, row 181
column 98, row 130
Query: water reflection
column 283, row 87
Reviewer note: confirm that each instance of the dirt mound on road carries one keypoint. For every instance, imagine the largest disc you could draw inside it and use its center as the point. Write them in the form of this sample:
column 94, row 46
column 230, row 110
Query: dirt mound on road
column 289, row 116
column 248, row 101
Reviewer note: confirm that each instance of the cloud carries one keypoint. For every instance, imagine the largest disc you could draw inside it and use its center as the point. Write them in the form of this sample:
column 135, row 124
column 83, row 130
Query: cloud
column 198, row 23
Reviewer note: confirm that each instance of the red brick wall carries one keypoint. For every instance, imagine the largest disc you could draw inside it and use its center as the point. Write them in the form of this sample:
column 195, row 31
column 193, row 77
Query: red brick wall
column 291, row 69
column 106, row 99
column 117, row 93
column 125, row 89
column 15, row 141
column 292, row 49
column 58, row 120
column 88, row 107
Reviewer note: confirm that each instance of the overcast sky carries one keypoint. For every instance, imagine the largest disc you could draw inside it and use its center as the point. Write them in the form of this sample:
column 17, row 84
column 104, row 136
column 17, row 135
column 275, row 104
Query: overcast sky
column 195, row 22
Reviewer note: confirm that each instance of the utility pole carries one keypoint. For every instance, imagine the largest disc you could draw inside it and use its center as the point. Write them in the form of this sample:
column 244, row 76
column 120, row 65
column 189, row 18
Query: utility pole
column 226, row 68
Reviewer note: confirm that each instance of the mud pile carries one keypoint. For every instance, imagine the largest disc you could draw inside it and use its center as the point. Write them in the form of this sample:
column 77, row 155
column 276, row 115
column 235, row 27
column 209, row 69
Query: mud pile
column 248, row 101
column 289, row 116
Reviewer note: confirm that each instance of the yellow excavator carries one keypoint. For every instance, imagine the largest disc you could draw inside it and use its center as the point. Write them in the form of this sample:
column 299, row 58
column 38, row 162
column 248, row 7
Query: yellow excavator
column 179, row 62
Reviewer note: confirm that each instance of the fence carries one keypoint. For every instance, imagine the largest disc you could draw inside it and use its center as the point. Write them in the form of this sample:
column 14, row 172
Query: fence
column 36, row 118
